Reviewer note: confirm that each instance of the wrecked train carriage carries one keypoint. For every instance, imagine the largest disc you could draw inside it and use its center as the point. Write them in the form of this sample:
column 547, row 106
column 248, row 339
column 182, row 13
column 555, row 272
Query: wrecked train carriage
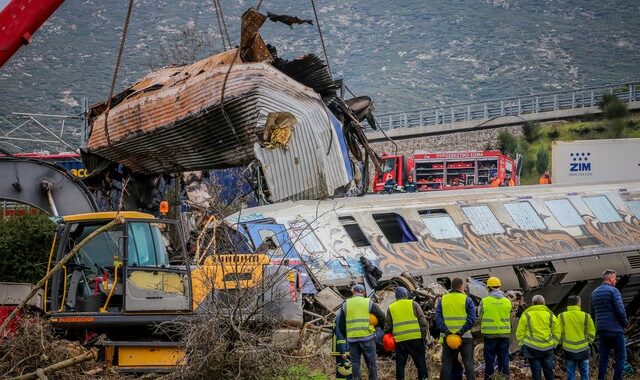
column 177, row 120
column 549, row 240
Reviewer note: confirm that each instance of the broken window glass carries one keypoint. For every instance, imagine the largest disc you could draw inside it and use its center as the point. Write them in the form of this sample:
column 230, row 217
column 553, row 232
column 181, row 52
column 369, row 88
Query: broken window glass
column 483, row 220
column 394, row 228
column 602, row 209
column 564, row 212
column 300, row 231
column 353, row 230
column 440, row 224
column 525, row 216
column 634, row 206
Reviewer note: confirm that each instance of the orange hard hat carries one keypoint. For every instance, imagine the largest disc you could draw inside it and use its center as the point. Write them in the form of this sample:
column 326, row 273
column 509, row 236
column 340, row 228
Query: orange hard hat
column 454, row 341
column 389, row 342
column 373, row 320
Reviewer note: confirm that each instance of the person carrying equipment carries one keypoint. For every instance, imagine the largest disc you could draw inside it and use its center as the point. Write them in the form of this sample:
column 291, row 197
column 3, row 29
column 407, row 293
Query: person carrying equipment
column 495, row 314
column 455, row 315
column 354, row 323
column 406, row 321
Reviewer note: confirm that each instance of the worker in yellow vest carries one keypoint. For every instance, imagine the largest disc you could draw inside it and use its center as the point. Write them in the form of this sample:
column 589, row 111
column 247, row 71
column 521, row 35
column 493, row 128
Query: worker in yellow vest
column 495, row 314
column 406, row 321
column 538, row 333
column 354, row 323
column 455, row 315
column 577, row 331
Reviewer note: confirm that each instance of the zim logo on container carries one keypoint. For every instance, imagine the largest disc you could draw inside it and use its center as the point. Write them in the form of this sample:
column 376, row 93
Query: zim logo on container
column 580, row 164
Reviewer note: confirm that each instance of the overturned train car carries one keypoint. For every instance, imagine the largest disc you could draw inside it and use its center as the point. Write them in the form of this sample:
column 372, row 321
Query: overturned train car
column 549, row 240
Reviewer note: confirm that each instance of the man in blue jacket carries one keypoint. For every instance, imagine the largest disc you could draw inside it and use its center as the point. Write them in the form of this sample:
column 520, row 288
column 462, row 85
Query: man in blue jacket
column 607, row 310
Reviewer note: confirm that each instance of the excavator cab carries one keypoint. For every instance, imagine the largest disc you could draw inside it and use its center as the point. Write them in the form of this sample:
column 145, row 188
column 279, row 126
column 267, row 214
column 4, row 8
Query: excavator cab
column 132, row 274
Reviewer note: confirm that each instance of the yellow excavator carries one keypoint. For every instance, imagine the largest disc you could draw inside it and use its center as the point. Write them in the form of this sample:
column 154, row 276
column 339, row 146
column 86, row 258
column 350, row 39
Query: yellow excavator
column 128, row 279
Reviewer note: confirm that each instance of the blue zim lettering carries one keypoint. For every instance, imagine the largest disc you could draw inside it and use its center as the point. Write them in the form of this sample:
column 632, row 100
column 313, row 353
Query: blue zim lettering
column 580, row 167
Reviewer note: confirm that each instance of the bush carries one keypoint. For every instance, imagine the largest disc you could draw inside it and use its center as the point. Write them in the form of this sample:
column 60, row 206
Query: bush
column 530, row 131
column 507, row 143
column 612, row 107
column 616, row 127
column 25, row 242
column 542, row 160
column 553, row 134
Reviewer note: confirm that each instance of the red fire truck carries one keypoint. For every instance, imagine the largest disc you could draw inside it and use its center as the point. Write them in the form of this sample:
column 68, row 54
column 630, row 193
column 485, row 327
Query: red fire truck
column 447, row 170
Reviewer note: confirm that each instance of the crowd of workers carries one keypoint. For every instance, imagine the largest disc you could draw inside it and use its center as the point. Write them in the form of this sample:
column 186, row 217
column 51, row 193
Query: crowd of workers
column 539, row 331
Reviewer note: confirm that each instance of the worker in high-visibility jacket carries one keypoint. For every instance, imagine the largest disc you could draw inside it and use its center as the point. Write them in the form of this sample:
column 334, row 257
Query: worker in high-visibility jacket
column 406, row 321
column 577, row 331
column 545, row 179
column 538, row 333
column 456, row 314
column 354, row 322
column 495, row 314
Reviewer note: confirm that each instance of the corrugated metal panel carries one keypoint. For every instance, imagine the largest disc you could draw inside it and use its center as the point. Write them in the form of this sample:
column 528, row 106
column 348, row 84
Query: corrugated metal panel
column 312, row 167
column 180, row 126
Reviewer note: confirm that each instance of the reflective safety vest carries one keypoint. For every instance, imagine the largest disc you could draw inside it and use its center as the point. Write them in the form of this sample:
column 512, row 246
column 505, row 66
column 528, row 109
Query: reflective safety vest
column 357, row 318
column 578, row 329
column 405, row 321
column 454, row 312
column 538, row 328
column 496, row 316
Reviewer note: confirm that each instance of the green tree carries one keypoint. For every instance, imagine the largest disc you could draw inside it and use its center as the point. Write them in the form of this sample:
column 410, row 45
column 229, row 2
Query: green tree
column 507, row 143
column 612, row 107
column 530, row 131
column 25, row 242
column 616, row 127
column 542, row 160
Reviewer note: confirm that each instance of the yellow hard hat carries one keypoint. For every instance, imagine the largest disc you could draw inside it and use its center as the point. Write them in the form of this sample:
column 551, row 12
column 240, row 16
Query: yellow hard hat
column 493, row 282
column 454, row 341
column 373, row 320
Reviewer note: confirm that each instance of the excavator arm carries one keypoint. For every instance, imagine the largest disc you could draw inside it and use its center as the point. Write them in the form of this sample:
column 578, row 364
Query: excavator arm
column 44, row 185
column 19, row 19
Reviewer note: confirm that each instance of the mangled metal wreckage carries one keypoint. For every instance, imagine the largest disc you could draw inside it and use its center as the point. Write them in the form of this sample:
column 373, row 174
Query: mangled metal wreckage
column 549, row 240
column 238, row 108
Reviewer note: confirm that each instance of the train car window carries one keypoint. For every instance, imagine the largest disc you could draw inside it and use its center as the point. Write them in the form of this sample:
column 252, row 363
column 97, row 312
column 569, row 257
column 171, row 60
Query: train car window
column 525, row 216
column 634, row 206
column 483, row 220
column 564, row 212
column 602, row 209
column 354, row 231
column 440, row 224
column 394, row 228
column 301, row 231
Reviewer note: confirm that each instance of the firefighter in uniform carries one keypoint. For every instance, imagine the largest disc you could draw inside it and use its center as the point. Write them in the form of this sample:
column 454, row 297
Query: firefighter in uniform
column 495, row 314
column 340, row 349
column 455, row 315
column 577, row 331
column 406, row 321
column 538, row 333
column 354, row 322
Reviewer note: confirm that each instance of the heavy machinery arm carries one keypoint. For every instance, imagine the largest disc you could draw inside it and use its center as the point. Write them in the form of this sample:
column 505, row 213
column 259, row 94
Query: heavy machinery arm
column 44, row 185
column 19, row 19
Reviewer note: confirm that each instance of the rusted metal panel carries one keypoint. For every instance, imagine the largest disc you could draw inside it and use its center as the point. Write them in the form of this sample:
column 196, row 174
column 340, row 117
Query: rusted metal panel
column 173, row 120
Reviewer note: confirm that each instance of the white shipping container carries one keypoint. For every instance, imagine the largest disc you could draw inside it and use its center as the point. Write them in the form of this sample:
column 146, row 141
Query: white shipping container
column 595, row 161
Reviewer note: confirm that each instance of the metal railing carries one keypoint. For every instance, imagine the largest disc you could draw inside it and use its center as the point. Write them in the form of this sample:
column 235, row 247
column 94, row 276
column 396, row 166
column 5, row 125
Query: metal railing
column 517, row 106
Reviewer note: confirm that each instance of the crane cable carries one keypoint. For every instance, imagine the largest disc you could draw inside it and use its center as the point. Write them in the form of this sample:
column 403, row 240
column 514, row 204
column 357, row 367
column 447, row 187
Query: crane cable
column 226, row 43
column 115, row 71
column 324, row 49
